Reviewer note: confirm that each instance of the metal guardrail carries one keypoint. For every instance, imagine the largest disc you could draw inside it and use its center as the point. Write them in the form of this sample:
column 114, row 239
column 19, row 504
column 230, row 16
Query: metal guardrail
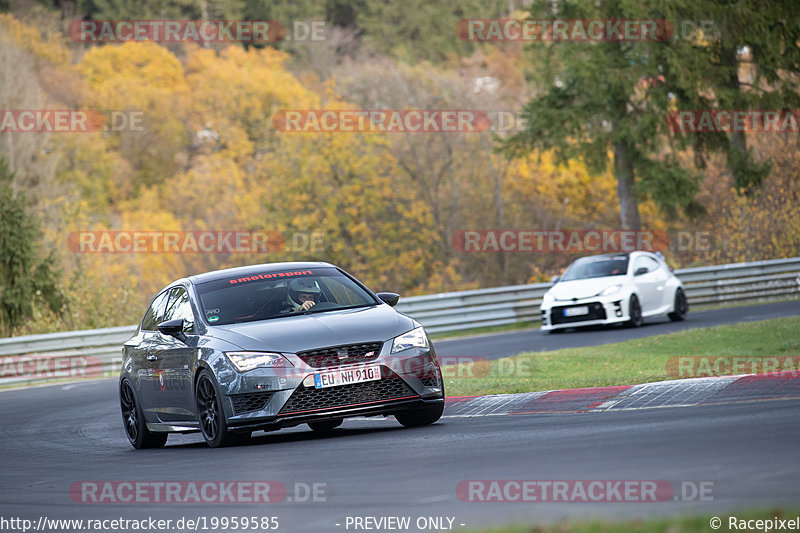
column 73, row 354
column 52, row 356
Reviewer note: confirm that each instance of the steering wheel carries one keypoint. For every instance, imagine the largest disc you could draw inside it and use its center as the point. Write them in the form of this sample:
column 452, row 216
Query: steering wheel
column 322, row 306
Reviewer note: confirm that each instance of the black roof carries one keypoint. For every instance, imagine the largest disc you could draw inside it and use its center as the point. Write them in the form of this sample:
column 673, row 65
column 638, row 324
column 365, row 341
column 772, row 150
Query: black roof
column 250, row 270
column 603, row 256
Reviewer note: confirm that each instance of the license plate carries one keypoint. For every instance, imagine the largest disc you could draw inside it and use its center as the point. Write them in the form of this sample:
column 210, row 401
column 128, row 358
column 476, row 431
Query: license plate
column 576, row 311
column 346, row 377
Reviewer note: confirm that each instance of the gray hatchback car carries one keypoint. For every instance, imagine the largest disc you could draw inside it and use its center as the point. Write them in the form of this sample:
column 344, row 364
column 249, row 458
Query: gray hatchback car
column 269, row 346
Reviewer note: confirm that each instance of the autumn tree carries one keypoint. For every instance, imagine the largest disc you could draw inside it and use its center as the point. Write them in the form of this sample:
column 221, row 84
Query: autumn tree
column 25, row 55
column 147, row 79
column 347, row 186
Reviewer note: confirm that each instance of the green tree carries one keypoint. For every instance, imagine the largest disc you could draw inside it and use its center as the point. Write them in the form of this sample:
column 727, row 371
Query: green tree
column 607, row 103
column 412, row 30
column 736, row 55
column 159, row 9
column 24, row 279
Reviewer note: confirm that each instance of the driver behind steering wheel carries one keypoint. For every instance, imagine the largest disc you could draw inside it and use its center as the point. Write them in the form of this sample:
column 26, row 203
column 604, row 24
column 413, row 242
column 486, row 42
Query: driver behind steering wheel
column 302, row 295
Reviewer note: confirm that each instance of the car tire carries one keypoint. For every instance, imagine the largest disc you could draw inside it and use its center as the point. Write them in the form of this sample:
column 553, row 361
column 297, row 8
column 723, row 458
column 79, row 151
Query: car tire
column 211, row 415
column 680, row 308
column 133, row 420
column 635, row 312
column 325, row 425
column 421, row 416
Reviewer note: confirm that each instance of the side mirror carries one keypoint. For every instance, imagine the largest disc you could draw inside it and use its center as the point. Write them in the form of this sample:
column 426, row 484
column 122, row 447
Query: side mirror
column 640, row 271
column 555, row 279
column 173, row 328
column 390, row 298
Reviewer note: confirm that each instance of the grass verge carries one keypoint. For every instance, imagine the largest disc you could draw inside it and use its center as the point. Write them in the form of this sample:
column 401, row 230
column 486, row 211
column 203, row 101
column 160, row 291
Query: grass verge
column 631, row 362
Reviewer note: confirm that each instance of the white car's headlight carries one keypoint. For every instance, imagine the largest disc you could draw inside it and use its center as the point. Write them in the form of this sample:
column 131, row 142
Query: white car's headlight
column 608, row 291
column 245, row 361
column 548, row 298
column 415, row 338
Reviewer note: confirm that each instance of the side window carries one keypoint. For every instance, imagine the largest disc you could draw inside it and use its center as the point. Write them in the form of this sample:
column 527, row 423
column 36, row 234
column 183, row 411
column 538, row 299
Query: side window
column 650, row 263
column 180, row 306
column 643, row 261
column 155, row 312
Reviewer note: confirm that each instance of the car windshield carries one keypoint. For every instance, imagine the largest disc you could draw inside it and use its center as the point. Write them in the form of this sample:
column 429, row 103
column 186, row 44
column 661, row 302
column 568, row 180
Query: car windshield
column 596, row 267
column 275, row 294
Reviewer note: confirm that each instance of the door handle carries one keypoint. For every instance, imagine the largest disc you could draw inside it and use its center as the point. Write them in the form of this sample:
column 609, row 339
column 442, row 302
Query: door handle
column 152, row 358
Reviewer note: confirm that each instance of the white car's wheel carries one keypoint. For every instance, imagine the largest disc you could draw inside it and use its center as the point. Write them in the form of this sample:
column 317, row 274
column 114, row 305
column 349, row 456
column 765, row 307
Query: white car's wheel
column 635, row 312
column 680, row 308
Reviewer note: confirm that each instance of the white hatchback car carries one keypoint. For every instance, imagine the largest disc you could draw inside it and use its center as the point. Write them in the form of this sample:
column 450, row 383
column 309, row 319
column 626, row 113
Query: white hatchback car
column 610, row 289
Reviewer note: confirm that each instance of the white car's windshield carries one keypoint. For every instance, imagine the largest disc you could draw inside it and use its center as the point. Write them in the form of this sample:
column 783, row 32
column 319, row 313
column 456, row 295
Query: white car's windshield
column 597, row 267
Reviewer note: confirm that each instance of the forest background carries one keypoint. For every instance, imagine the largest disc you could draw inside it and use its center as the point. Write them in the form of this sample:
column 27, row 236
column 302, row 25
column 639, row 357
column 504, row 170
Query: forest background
column 384, row 206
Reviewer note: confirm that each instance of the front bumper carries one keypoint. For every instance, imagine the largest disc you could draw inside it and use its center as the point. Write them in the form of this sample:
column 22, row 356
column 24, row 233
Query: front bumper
column 383, row 408
column 274, row 398
column 601, row 311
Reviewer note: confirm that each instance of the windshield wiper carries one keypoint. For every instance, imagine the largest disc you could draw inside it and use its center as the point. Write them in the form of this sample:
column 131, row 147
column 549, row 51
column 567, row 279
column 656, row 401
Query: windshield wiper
column 311, row 310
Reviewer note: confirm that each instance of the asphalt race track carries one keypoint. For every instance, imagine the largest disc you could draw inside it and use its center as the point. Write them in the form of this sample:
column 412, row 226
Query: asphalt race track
column 741, row 452
column 514, row 342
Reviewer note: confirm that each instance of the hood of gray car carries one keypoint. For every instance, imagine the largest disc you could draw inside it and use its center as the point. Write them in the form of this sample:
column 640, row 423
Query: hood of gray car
column 316, row 330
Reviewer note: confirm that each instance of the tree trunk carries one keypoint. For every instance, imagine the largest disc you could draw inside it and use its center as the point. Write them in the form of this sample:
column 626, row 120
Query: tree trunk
column 498, row 178
column 738, row 161
column 628, row 202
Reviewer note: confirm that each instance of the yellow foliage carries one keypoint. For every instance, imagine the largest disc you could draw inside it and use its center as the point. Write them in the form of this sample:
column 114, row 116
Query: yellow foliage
column 48, row 47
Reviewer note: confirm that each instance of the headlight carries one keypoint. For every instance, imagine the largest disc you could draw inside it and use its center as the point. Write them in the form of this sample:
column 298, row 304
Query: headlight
column 548, row 298
column 245, row 361
column 415, row 338
column 608, row 291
